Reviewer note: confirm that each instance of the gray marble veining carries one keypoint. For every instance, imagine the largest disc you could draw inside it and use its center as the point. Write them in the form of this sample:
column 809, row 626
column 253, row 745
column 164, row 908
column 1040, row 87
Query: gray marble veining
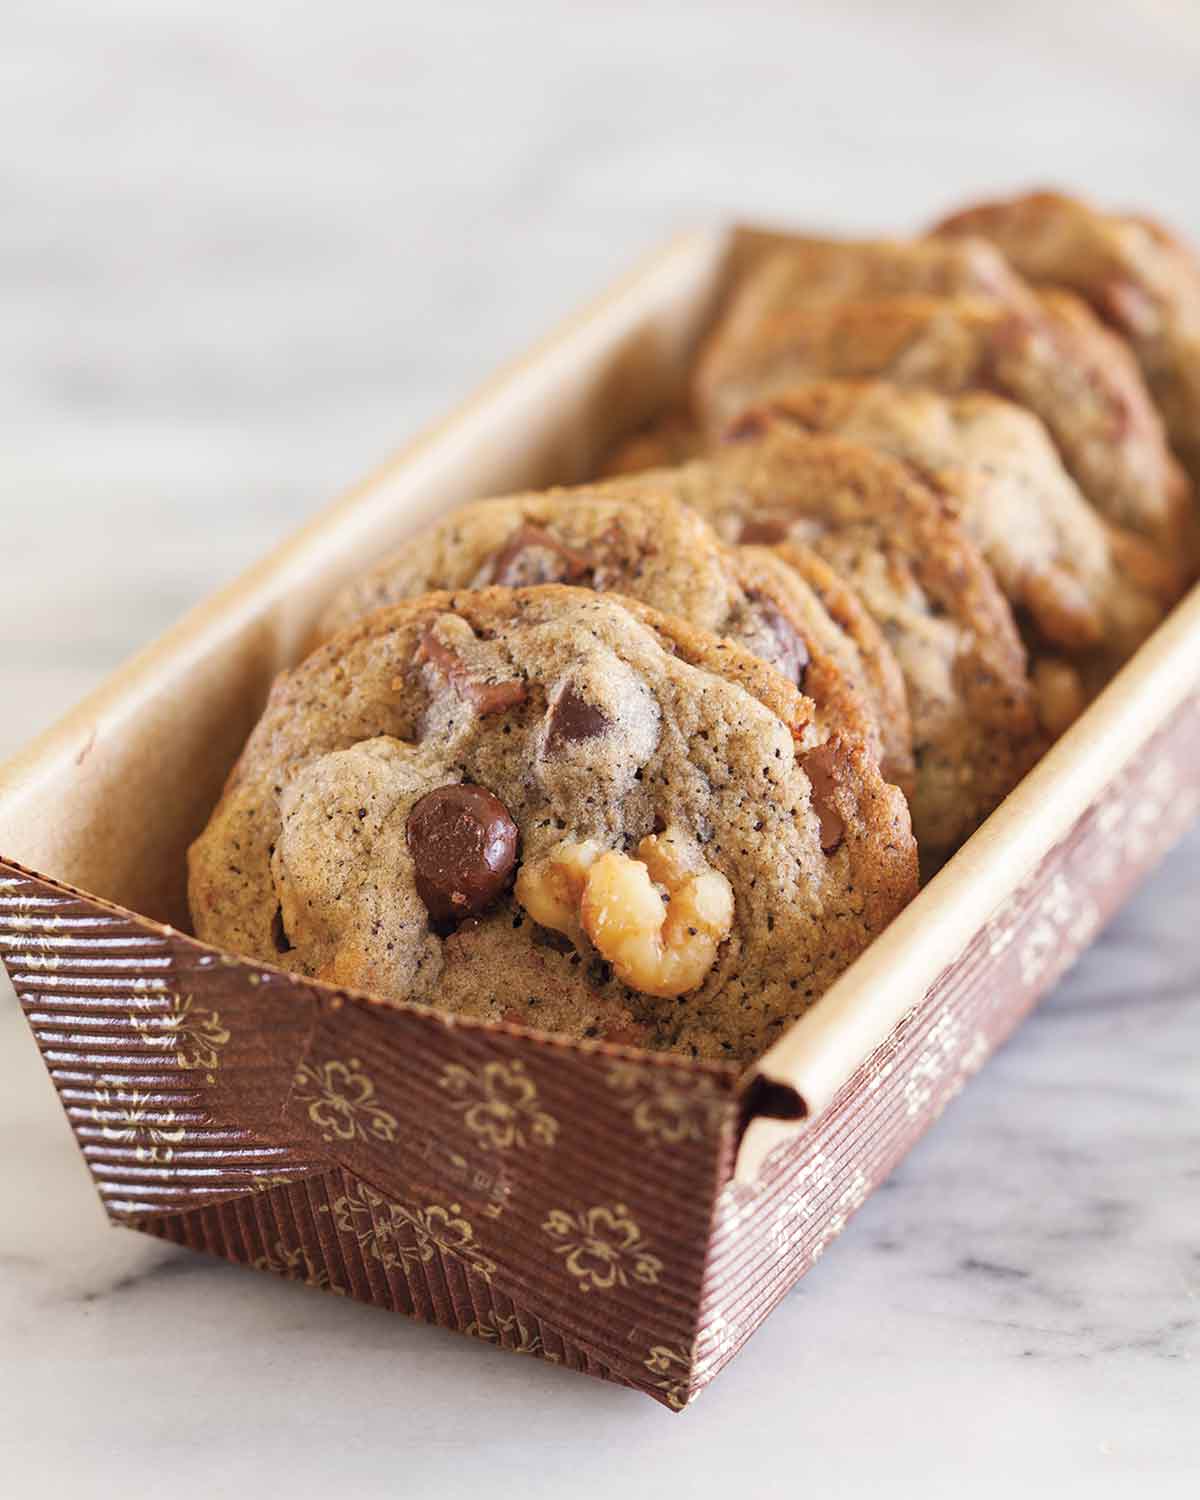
column 245, row 250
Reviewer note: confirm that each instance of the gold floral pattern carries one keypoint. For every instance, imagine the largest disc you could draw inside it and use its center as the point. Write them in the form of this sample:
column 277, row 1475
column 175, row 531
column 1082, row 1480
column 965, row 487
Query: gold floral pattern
column 193, row 1034
column 717, row 1342
column 602, row 1247
column 668, row 1108
column 125, row 1114
column 265, row 1182
column 396, row 1235
column 852, row 1197
column 499, row 1105
column 673, row 1363
column 297, row 1265
column 520, row 1340
column 341, row 1102
column 942, row 1046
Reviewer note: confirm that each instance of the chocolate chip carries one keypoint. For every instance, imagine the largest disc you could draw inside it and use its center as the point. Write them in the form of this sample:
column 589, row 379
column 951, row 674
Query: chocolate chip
column 464, row 848
column 492, row 697
column 818, row 766
column 572, row 719
column 762, row 532
column 486, row 697
column 532, row 556
column 789, row 651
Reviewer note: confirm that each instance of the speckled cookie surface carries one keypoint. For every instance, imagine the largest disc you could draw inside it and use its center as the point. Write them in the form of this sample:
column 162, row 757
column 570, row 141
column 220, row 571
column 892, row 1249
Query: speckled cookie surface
column 655, row 550
column 1139, row 278
column 828, row 270
column 542, row 720
column 1054, row 358
column 1086, row 587
column 924, row 581
column 838, row 270
column 847, row 647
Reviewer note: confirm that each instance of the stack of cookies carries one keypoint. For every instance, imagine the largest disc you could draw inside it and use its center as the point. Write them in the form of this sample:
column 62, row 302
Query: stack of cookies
column 652, row 759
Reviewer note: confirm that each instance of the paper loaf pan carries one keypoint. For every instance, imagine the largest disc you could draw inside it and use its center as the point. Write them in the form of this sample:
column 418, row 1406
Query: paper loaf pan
column 631, row 1216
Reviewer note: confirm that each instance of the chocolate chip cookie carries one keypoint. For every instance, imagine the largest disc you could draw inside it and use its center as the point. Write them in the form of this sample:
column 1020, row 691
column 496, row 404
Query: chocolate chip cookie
column 655, row 550
column 559, row 808
column 844, row 635
column 1055, row 359
column 918, row 573
column 1089, row 589
column 1138, row 277
column 811, row 270
column 840, row 270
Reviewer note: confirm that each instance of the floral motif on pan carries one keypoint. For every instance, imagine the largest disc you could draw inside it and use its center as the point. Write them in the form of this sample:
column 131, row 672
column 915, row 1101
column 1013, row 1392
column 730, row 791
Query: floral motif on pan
column 342, row 1103
column 666, row 1106
column 297, row 1265
column 602, row 1247
column 508, row 1332
column 193, row 1034
column 398, row 1236
column 671, row 1363
column 127, row 1115
column 499, row 1105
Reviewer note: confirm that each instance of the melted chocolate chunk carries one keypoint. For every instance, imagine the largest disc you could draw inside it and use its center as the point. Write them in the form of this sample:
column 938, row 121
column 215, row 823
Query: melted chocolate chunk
column 484, row 696
column 532, row 556
column 762, row 532
column 791, row 654
column 818, row 767
column 464, row 849
column 572, row 719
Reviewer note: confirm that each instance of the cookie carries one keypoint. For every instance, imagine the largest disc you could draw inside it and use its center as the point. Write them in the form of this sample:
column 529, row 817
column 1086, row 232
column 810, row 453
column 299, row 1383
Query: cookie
column 845, row 270
column 657, row 551
column 839, row 270
column 478, row 800
column 666, row 440
column 1138, row 277
column 1089, row 590
column 838, row 625
column 1056, row 360
column 921, row 577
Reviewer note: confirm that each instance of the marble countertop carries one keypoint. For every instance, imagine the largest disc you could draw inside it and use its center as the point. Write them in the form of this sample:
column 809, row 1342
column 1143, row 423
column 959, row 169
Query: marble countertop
column 247, row 249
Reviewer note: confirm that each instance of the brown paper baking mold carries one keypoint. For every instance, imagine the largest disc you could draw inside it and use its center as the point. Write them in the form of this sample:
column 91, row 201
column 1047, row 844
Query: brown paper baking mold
column 573, row 1201
column 621, row 1215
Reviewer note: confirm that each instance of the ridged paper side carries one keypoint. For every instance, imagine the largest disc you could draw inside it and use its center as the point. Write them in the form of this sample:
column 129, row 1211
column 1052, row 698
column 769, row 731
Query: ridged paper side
column 302, row 1233
column 768, row 1234
column 135, row 1049
column 467, row 1174
column 574, row 1181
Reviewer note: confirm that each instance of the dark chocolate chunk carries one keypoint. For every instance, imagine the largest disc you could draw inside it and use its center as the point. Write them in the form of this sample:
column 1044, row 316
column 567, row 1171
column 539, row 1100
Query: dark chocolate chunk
column 573, row 719
column 790, row 652
column 532, row 556
column 484, row 696
column 464, row 848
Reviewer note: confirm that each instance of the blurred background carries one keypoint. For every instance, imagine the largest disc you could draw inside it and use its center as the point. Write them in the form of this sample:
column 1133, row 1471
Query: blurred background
column 245, row 249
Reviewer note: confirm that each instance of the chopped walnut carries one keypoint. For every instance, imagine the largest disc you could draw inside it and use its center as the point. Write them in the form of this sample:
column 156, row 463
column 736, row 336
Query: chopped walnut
column 659, row 946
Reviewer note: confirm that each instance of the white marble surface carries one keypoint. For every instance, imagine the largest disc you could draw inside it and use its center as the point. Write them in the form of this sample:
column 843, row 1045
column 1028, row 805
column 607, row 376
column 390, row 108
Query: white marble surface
column 244, row 249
